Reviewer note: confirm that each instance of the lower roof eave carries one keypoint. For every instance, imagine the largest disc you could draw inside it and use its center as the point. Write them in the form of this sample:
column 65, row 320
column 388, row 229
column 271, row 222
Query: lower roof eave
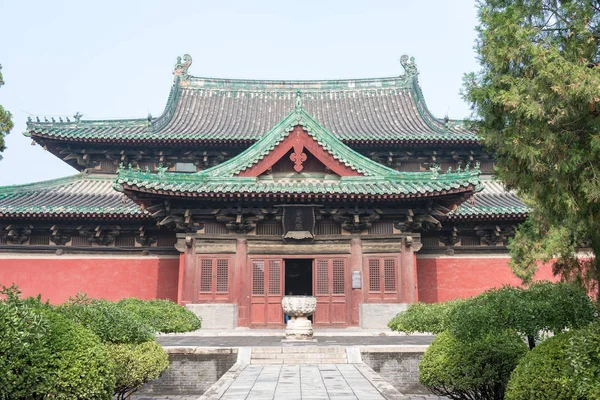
column 73, row 216
column 132, row 189
column 488, row 217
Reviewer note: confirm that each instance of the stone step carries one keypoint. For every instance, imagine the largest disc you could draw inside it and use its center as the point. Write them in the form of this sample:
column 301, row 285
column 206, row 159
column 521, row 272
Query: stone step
column 299, row 349
column 298, row 355
column 311, row 361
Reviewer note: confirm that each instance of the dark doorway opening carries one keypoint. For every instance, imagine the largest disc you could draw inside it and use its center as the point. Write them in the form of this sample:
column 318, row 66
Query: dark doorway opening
column 298, row 277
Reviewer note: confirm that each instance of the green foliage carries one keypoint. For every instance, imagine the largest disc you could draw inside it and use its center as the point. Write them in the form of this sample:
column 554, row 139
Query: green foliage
column 543, row 373
column 536, row 105
column 162, row 315
column 111, row 323
column 421, row 317
column 44, row 355
column 544, row 306
column 81, row 366
column 467, row 370
column 6, row 123
column 136, row 365
column 583, row 356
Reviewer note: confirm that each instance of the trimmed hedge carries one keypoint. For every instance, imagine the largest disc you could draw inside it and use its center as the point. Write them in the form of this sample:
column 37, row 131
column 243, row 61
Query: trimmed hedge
column 477, row 369
column 162, row 315
column 107, row 320
column 137, row 364
column 421, row 317
column 45, row 355
column 583, row 355
column 543, row 373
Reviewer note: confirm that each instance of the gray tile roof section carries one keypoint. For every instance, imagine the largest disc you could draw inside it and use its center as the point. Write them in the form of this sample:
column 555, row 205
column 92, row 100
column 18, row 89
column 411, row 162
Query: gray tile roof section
column 79, row 195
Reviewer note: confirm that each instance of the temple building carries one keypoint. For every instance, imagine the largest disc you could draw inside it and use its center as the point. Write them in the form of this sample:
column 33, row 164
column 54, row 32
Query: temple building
column 242, row 191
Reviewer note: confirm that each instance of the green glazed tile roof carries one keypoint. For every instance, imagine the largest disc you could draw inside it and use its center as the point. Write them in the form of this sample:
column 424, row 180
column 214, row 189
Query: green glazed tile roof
column 377, row 180
column 75, row 196
column 494, row 201
column 205, row 109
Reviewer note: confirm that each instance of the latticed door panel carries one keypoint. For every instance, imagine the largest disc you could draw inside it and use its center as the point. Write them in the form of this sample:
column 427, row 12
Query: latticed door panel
column 258, row 277
column 222, row 276
column 274, row 277
column 338, row 281
column 330, row 290
column 374, row 275
column 322, row 278
column 267, row 288
column 213, row 280
column 383, row 278
column 206, row 276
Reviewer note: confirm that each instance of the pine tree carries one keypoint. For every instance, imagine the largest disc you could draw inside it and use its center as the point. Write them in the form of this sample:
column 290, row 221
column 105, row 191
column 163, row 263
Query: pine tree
column 6, row 123
column 536, row 104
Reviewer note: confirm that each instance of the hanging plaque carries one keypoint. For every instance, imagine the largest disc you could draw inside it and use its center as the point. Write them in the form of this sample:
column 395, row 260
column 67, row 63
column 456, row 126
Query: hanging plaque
column 299, row 222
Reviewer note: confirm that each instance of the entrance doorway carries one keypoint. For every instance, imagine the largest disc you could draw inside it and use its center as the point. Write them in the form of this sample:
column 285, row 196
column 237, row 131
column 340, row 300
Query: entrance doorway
column 298, row 277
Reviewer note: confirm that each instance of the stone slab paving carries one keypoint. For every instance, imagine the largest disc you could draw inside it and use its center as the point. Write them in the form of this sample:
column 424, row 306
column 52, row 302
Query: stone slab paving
column 301, row 382
column 258, row 341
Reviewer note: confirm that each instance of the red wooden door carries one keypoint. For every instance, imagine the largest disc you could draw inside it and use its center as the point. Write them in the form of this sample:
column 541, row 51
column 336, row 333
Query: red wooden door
column 330, row 290
column 267, row 284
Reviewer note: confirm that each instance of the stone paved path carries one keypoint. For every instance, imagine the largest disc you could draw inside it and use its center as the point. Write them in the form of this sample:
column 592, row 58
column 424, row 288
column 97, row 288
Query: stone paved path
column 303, row 382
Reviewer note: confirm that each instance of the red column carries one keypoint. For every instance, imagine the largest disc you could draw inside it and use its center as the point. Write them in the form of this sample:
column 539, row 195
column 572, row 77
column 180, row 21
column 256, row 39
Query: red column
column 357, row 295
column 242, row 282
column 187, row 272
column 408, row 272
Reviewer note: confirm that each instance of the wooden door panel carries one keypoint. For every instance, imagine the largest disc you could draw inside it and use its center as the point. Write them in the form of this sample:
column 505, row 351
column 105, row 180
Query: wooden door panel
column 267, row 284
column 330, row 291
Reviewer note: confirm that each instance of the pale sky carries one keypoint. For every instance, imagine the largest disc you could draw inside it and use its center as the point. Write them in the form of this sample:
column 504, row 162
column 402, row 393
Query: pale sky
column 114, row 59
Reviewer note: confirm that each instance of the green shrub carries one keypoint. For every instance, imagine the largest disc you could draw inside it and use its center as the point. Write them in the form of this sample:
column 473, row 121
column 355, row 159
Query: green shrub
column 44, row 355
column 81, row 363
column 543, row 373
column 421, row 317
column 544, row 306
column 477, row 369
column 583, row 356
column 162, row 315
column 110, row 322
column 137, row 364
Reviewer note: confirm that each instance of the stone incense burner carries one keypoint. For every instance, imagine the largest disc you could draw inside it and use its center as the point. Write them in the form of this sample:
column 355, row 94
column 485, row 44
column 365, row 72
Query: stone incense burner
column 299, row 308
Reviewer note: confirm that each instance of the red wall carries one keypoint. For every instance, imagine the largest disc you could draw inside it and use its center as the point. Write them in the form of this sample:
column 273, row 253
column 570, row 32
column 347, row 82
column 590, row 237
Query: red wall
column 448, row 278
column 109, row 278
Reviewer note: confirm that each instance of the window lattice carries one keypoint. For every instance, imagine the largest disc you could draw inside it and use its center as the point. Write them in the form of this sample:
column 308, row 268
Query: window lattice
column 338, row 276
column 374, row 276
column 80, row 241
column 430, row 241
column 258, row 277
column 215, row 229
column 275, row 277
column 389, row 275
column 470, row 241
column 222, row 275
column 206, row 276
column 322, row 277
column 166, row 241
column 269, row 229
column 108, row 166
column 125, row 241
column 328, row 229
column 381, row 228
column 39, row 240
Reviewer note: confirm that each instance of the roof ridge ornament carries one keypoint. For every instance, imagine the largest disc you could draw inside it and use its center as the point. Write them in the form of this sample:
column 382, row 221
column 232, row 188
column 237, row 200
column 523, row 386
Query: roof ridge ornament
column 298, row 99
column 181, row 67
column 410, row 67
